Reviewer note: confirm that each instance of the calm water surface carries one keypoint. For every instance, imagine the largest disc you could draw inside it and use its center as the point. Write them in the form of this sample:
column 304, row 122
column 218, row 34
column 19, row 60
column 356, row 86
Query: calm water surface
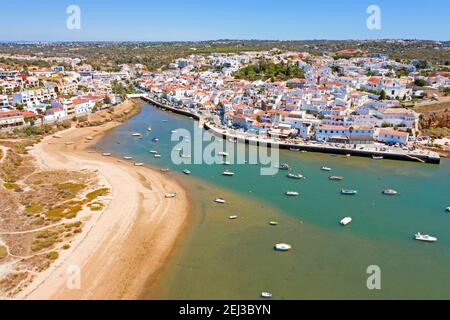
column 223, row 259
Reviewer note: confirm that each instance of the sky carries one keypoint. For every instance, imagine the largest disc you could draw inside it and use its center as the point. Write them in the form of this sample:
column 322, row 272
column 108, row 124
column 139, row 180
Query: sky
column 193, row 20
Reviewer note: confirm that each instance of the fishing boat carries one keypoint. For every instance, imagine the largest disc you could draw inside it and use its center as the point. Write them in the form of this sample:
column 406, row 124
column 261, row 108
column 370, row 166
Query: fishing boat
column 295, row 176
column 171, row 195
column 349, row 192
column 273, row 223
column 292, row 194
column 326, row 169
column 377, row 157
column 223, row 154
column 266, row 295
column 228, row 173
column 137, row 135
column 336, row 178
column 187, row 172
column 284, row 166
column 346, row 221
column 220, row 200
column 425, row 238
column 128, row 158
column 390, row 192
column 138, row 164
column 232, row 217
column 283, row 247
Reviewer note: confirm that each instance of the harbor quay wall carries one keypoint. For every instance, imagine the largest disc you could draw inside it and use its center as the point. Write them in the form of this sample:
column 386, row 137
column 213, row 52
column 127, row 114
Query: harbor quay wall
column 303, row 147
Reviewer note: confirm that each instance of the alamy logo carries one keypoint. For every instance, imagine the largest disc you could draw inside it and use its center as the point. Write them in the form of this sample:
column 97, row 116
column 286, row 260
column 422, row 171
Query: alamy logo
column 73, row 278
column 374, row 19
column 74, row 20
column 374, row 280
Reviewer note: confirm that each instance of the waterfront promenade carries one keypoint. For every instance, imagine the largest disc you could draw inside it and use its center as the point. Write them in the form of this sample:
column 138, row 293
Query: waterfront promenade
column 369, row 151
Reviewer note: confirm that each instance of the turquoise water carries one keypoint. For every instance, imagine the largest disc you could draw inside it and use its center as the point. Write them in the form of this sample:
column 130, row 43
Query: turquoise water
column 222, row 259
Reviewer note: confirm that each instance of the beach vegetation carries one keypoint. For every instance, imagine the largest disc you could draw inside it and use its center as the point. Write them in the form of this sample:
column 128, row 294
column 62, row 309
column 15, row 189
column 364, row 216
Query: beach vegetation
column 97, row 193
column 10, row 186
column 34, row 209
column 53, row 255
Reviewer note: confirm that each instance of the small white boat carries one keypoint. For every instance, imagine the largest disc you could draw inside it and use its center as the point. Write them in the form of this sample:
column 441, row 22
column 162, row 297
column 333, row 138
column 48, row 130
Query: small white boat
column 228, row 173
column 266, row 295
column 171, row 195
column 57, row 136
column 292, row 194
column 137, row 135
column 153, row 152
column 128, row 158
column 448, row 209
column 187, row 172
column 348, row 155
column 377, row 158
column 346, row 221
column 155, row 140
column 149, row 129
column 349, row 192
column 89, row 138
column 233, row 217
column 220, row 200
column 273, row 223
column 138, row 164
column 326, row 169
column 293, row 175
column 336, row 178
column 107, row 154
column 390, row 192
column 157, row 156
column 165, row 170
column 173, row 131
column 283, row 247
column 425, row 238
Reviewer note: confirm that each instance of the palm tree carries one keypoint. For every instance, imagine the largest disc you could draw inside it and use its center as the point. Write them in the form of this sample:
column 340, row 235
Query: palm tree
column 351, row 129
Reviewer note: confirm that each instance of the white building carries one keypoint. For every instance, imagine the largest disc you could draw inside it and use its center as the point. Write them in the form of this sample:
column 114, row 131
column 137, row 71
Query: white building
column 393, row 136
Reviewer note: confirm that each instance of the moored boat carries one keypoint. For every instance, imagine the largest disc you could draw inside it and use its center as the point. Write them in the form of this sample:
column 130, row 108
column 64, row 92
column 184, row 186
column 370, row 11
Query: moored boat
column 153, row 152
column 232, row 217
column 292, row 193
column 128, row 158
column 448, row 209
column 137, row 135
column 228, row 173
column 294, row 150
column 326, row 169
column 273, row 223
column 138, row 164
column 155, row 140
column 165, row 170
column 220, row 200
column 425, row 237
column 390, row 192
column 349, row 192
column 284, row 166
column 171, row 195
column 336, row 178
column 377, row 157
column 266, row 295
column 106, row 154
column 283, row 247
column 157, row 156
column 346, row 221
column 293, row 175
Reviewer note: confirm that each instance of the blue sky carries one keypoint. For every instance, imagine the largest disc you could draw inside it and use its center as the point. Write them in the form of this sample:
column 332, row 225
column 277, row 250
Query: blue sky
column 172, row 20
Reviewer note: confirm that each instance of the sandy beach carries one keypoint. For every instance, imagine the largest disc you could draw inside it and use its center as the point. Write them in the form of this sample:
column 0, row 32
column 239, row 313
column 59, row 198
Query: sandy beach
column 122, row 250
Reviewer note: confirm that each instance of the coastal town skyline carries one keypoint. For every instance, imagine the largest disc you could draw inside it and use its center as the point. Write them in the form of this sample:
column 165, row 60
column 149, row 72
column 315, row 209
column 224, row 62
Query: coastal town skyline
column 288, row 20
column 141, row 161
